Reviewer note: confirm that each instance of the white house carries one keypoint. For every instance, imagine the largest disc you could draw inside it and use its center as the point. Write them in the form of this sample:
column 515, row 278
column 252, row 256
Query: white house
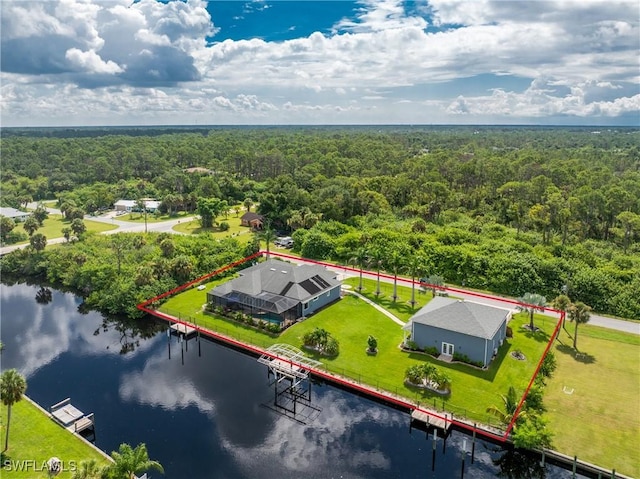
column 14, row 214
column 132, row 205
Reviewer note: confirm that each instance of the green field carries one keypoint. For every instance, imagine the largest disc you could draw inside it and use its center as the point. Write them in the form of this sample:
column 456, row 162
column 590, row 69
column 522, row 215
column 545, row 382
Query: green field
column 600, row 420
column 35, row 437
column 53, row 225
column 151, row 218
column 241, row 233
column 351, row 321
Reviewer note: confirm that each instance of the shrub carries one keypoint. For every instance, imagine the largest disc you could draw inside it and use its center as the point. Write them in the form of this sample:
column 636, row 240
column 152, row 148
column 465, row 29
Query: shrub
column 273, row 328
column 548, row 365
column 412, row 345
column 372, row 343
column 432, row 350
column 332, row 348
column 224, row 226
column 414, row 374
column 509, row 332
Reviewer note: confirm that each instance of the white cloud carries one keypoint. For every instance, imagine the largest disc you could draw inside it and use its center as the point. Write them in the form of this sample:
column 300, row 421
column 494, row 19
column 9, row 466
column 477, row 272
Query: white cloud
column 154, row 45
column 540, row 100
column 91, row 62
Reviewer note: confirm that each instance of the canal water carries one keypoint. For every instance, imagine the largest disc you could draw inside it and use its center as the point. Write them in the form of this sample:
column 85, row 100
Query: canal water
column 205, row 414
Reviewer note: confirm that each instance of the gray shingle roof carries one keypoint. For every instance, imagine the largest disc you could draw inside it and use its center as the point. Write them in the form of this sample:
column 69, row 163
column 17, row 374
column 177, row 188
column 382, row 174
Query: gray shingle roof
column 467, row 317
column 275, row 279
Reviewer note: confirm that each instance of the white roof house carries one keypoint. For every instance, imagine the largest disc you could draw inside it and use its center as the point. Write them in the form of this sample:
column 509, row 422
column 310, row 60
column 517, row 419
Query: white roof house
column 14, row 214
column 130, row 205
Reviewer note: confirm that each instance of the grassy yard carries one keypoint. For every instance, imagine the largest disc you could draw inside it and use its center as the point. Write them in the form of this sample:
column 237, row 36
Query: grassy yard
column 401, row 308
column 53, row 225
column 151, row 217
column 241, row 233
column 35, row 437
column 351, row 321
column 600, row 420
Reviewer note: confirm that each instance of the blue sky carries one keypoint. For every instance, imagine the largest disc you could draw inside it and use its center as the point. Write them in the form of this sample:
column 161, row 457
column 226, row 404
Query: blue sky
column 118, row 62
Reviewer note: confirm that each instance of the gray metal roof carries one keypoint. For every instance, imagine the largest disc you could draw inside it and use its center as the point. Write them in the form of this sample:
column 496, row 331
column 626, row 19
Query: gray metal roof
column 12, row 212
column 274, row 281
column 467, row 317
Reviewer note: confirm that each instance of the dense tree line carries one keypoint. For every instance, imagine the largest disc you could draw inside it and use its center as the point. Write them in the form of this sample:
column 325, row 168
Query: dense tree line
column 513, row 210
column 116, row 272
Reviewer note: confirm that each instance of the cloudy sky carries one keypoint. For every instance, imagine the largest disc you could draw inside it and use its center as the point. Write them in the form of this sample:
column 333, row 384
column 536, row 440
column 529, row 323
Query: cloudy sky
column 118, row 62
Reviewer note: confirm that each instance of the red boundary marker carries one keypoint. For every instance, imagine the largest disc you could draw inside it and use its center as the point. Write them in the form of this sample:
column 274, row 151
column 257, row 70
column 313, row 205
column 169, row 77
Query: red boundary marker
column 144, row 306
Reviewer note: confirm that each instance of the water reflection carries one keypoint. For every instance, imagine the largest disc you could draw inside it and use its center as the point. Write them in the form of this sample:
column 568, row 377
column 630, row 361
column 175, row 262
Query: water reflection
column 202, row 415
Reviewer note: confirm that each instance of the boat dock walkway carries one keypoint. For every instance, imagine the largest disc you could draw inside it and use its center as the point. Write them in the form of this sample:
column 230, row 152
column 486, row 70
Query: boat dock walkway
column 431, row 419
column 70, row 417
column 182, row 329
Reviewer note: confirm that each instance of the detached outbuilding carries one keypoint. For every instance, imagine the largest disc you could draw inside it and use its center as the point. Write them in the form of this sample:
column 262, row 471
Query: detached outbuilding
column 253, row 220
column 456, row 326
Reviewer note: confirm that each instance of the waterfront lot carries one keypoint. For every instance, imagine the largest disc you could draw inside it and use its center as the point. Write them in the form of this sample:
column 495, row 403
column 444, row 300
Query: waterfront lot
column 351, row 321
column 34, row 437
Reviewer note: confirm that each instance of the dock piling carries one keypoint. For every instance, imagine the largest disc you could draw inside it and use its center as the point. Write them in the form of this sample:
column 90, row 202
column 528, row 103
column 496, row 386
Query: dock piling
column 473, row 443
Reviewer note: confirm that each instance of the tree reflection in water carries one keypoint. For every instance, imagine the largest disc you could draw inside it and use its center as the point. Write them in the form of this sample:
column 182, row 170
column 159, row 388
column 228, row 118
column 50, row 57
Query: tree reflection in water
column 132, row 331
column 44, row 295
column 517, row 463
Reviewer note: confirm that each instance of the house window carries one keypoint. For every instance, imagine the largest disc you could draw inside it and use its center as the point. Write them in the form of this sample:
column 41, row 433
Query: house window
column 306, row 305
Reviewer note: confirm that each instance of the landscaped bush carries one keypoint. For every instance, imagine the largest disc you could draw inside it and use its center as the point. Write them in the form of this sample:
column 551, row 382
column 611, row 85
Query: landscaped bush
column 412, row 345
column 320, row 340
column 428, row 376
column 372, row 344
column 433, row 351
column 463, row 358
column 224, row 226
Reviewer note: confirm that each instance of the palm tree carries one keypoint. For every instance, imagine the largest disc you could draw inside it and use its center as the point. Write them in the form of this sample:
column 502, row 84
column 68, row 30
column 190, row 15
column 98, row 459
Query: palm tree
column 359, row 258
column 562, row 303
column 579, row 313
column 375, row 259
column 510, row 404
column 395, row 262
column 435, row 282
column 268, row 236
column 88, row 470
column 532, row 302
column 414, row 265
column 128, row 462
column 12, row 387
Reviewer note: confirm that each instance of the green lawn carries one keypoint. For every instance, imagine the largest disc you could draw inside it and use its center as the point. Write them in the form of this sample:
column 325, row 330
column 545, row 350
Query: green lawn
column 35, row 437
column 351, row 321
column 151, row 218
column 241, row 233
column 600, row 420
column 401, row 307
column 53, row 225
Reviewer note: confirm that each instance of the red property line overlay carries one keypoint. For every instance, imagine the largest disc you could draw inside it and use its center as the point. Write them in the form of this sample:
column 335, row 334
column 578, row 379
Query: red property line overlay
column 336, row 379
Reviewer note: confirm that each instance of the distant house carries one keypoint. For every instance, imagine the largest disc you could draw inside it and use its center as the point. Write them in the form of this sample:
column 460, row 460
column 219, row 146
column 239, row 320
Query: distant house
column 254, row 220
column 132, row 205
column 277, row 291
column 455, row 326
column 16, row 215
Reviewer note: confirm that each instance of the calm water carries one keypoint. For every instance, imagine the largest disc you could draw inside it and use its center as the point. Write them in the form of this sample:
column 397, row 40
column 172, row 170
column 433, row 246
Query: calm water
column 206, row 418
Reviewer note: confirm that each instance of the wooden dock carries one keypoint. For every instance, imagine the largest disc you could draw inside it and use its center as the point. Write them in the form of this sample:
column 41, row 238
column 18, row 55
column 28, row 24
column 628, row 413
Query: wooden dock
column 429, row 420
column 70, row 417
column 182, row 329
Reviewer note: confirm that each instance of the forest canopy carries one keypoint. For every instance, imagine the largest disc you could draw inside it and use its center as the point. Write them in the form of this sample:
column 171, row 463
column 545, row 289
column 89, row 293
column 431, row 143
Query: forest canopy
column 512, row 210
